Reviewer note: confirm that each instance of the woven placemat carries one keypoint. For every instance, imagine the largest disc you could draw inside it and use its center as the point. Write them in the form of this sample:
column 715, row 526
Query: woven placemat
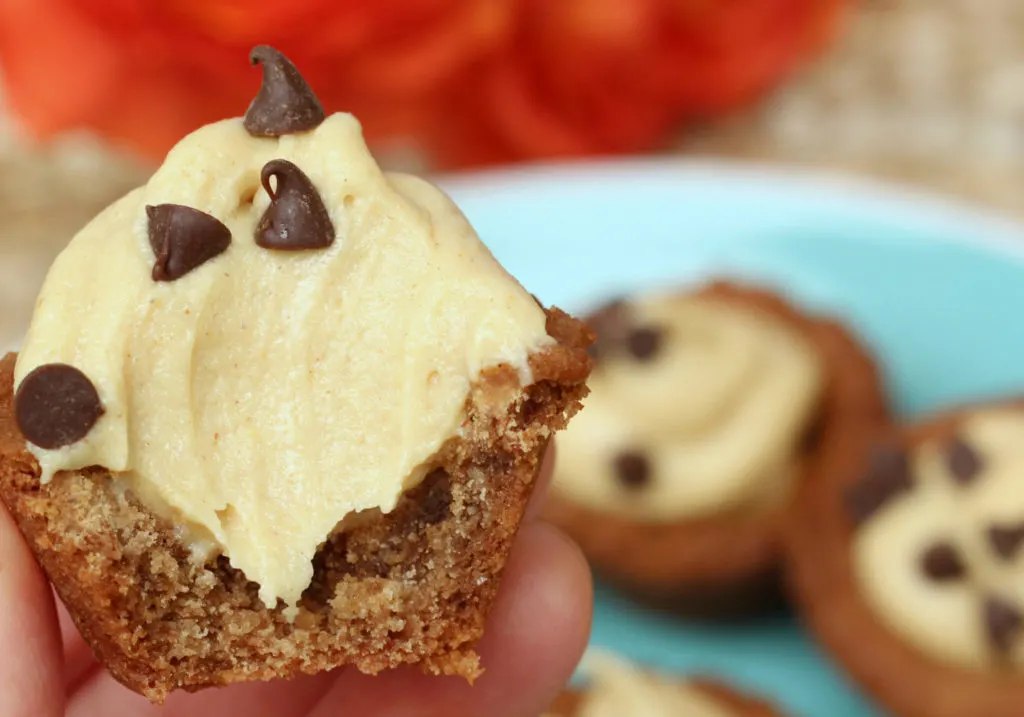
column 46, row 195
column 929, row 92
column 924, row 91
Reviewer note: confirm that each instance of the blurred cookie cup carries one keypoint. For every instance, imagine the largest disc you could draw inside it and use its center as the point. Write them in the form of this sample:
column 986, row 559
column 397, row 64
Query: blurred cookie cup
column 708, row 409
column 909, row 564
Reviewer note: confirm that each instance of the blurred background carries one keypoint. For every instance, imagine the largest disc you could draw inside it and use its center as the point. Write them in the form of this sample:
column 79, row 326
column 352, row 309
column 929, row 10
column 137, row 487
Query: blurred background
column 94, row 92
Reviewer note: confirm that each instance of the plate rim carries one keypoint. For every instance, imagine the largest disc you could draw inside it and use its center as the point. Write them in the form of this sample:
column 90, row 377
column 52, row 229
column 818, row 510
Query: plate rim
column 966, row 222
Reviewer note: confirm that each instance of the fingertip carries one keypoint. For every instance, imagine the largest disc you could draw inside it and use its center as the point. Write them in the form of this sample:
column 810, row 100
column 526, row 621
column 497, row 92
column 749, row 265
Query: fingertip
column 539, row 626
column 30, row 674
column 536, row 633
column 546, row 578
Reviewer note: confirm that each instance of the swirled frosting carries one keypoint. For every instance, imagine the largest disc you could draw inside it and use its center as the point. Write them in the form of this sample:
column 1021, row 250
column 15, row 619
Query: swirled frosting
column 697, row 406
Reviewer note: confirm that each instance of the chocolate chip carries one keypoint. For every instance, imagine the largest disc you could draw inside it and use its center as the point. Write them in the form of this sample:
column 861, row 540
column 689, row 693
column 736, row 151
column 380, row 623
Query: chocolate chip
column 942, row 563
column 812, row 435
column 296, row 218
column 436, row 497
column 632, row 469
column 611, row 317
column 1003, row 622
column 183, row 239
column 56, row 405
column 643, row 342
column 963, row 461
column 610, row 323
column 1006, row 540
column 887, row 476
column 285, row 104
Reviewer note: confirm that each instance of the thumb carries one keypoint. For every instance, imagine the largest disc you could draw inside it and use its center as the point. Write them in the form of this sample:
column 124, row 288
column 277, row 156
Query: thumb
column 30, row 648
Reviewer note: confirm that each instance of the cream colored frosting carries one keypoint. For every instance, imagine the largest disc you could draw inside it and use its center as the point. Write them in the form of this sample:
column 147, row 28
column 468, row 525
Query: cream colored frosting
column 718, row 412
column 945, row 619
column 616, row 688
column 267, row 395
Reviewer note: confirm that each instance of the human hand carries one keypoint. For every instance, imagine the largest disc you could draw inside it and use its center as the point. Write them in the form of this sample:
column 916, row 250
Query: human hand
column 534, row 638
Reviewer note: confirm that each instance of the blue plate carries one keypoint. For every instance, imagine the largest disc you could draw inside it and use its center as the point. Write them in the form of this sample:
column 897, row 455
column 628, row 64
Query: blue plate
column 931, row 286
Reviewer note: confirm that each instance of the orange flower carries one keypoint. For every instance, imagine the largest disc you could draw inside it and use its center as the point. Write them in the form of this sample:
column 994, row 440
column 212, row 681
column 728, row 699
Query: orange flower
column 583, row 77
column 147, row 72
column 476, row 81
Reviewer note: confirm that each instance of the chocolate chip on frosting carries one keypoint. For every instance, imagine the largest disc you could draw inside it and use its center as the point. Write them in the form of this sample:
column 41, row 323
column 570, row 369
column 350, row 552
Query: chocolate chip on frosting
column 963, row 461
column 56, row 405
column 183, row 239
column 285, row 104
column 1003, row 623
column 887, row 476
column 633, row 469
column 1006, row 540
column 942, row 562
column 643, row 342
column 296, row 218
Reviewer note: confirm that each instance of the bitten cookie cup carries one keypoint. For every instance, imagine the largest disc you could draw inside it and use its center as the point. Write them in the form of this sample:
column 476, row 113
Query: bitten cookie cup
column 616, row 688
column 707, row 410
column 907, row 558
column 279, row 411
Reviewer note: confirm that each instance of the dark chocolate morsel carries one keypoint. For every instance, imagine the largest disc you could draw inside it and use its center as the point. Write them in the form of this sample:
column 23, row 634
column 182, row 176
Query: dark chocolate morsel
column 435, row 497
column 812, row 435
column 56, row 405
column 610, row 323
column 887, row 476
column 285, row 104
column 183, row 239
column 643, row 342
column 942, row 563
column 963, row 461
column 1006, row 540
column 1003, row 622
column 632, row 469
column 296, row 218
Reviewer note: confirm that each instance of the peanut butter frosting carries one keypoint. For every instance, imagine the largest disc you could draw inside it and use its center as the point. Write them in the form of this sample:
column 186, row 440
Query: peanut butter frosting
column 697, row 406
column 270, row 337
column 940, row 554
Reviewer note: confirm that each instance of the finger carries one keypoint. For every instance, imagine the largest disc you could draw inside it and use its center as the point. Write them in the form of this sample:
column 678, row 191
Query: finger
column 31, row 684
column 542, row 484
column 534, row 639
